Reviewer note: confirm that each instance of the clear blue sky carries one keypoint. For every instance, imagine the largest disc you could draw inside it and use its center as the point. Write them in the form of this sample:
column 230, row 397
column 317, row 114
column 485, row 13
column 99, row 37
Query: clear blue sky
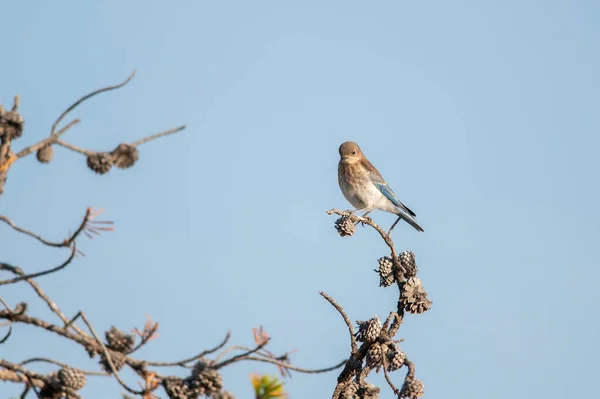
column 482, row 115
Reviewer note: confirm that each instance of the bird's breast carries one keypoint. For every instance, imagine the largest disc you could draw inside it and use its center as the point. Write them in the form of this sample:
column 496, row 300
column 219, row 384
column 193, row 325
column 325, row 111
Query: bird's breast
column 356, row 185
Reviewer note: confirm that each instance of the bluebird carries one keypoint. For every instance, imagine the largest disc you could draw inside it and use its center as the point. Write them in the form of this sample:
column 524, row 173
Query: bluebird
column 364, row 187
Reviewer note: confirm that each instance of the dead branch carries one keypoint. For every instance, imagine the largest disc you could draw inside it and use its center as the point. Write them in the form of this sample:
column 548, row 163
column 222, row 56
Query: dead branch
column 333, row 303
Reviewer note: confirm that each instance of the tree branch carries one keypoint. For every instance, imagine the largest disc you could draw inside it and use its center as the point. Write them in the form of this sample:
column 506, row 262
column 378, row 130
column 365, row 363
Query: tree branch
column 86, row 97
column 346, row 319
column 34, row 275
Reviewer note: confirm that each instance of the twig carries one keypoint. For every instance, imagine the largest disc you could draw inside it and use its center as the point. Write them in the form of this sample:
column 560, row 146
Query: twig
column 53, row 307
column 34, row 275
column 386, row 237
column 289, row 366
column 157, row 135
column 59, row 244
column 387, row 376
column 242, row 355
column 37, row 394
column 25, row 391
column 191, row 359
column 87, row 96
column 73, row 148
column 107, row 355
column 3, row 340
column 46, row 360
column 346, row 319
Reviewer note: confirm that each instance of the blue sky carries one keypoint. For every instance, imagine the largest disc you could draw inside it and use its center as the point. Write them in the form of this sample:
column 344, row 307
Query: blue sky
column 482, row 115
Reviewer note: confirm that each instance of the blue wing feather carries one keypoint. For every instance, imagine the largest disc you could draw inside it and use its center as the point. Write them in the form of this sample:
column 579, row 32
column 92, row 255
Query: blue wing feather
column 386, row 190
column 389, row 194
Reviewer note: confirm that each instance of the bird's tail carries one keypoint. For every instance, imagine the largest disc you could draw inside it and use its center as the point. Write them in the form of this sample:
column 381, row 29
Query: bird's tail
column 410, row 220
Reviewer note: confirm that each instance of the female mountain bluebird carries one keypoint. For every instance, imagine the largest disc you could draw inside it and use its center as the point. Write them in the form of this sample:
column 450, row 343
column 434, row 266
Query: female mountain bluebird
column 364, row 187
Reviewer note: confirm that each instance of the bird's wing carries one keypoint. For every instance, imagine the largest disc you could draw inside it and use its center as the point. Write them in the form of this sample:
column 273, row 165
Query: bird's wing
column 386, row 190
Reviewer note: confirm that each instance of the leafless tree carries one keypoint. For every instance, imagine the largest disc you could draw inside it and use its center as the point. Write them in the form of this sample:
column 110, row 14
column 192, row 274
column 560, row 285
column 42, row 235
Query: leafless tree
column 116, row 349
column 378, row 349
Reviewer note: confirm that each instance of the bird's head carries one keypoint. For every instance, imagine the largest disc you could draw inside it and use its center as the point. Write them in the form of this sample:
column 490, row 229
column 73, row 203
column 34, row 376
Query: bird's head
column 350, row 152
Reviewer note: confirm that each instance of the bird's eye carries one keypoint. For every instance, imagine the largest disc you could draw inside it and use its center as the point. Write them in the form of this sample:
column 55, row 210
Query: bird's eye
column 353, row 152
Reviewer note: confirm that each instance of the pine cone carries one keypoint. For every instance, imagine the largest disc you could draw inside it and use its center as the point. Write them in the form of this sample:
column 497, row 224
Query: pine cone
column 344, row 226
column 11, row 124
column 52, row 389
column 118, row 360
column 99, row 162
column 412, row 388
column 71, row 378
column 368, row 331
column 375, row 355
column 45, row 154
column 177, row 388
column 118, row 341
column 223, row 395
column 205, row 380
column 395, row 358
column 407, row 259
column 124, row 156
column 386, row 271
column 350, row 392
column 414, row 298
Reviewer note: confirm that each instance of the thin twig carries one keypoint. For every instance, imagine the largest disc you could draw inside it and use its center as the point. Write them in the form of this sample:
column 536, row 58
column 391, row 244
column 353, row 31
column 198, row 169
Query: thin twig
column 34, row 275
column 59, row 244
column 387, row 376
column 3, row 340
column 73, row 148
column 241, row 356
column 289, row 366
column 157, row 135
column 386, row 237
column 346, row 319
column 56, row 362
column 25, row 391
column 107, row 355
column 87, row 96
column 191, row 359
column 30, row 382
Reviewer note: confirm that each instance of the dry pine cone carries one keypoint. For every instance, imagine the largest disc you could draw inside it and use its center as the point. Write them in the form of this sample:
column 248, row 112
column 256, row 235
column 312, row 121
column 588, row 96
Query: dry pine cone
column 407, row 259
column 124, row 156
column 386, row 271
column 414, row 298
column 118, row 360
column 344, row 226
column 118, row 341
column 45, row 154
column 412, row 388
column 99, row 162
column 368, row 331
column 71, row 378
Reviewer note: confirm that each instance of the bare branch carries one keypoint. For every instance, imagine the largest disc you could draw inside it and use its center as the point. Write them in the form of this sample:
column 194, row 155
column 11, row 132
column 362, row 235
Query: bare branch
column 387, row 376
column 34, row 275
column 241, row 356
column 30, row 381
column 73, row 148
column 86, row 97
column 3, row 340
column 191, row 359
column 289, row 366
column 59, row 244
column 157, row 135
column 48, row 141
column 346, row 319
column 113, row 369
column 368, row 221
column 56, row 362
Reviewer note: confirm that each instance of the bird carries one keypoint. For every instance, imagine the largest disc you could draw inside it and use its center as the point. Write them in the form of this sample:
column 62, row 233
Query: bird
column 365, row 188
